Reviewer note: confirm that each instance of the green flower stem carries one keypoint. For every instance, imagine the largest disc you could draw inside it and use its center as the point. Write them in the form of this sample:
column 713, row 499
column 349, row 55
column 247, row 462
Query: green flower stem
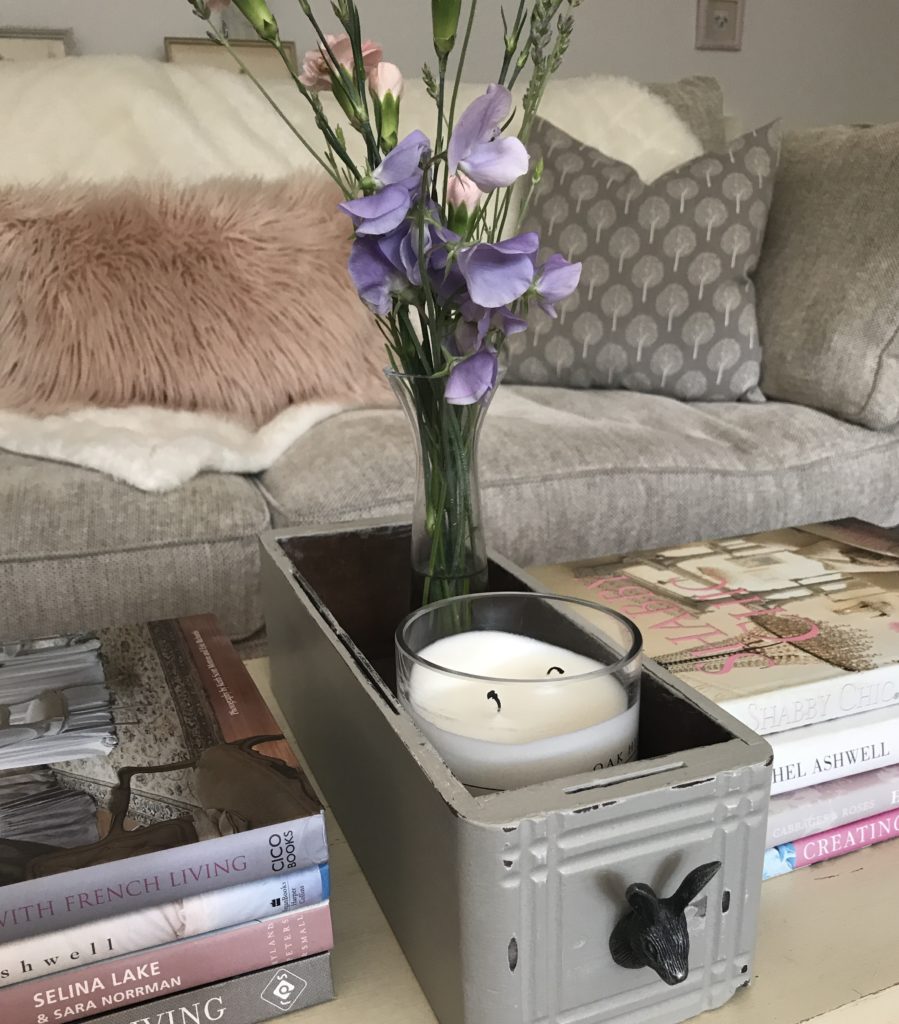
column 223, row 40
column 512, row 42
column 423, row 273
column 324, row 126
column 463, row 53
column 441, row 99
column 525, row 206
column 354, row 30
column 361, row 121
column 451, row 546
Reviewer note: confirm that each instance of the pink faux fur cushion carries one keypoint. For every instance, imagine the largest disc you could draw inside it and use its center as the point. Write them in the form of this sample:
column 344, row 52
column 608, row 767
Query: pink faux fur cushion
column 230, row 297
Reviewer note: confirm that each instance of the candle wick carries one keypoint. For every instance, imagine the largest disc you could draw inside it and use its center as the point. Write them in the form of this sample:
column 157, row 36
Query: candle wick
column 493, row 695
column 555, row 668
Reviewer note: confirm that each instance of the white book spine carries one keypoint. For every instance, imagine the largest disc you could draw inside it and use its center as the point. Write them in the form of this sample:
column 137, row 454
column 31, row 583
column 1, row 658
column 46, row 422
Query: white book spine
column 793, row 816
column 834, row 750
column 52, row 952
column 812, row 703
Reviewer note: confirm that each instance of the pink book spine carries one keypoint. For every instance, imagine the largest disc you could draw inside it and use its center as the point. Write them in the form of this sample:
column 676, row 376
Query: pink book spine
column 188, row 963
column 833, row 843
column 837, row 841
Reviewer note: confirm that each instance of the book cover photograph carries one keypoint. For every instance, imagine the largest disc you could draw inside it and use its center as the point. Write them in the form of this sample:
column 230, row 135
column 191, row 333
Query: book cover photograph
column 137, row 767
column 783, row 629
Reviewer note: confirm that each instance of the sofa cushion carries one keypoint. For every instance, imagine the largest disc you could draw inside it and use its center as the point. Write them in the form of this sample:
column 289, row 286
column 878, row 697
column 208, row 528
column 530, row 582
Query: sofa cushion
column 109, row 117
column 699, row 102
column 827, row 280
column 571, row 473
column 79, row 550
column 666, row 303
column 229, row 297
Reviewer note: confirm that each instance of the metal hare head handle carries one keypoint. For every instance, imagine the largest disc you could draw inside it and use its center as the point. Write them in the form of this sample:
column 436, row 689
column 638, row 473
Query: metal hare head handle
column 654, row 933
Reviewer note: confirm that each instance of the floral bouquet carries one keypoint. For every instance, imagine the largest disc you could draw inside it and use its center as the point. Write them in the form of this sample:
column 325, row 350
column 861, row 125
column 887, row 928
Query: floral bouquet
column 437, row 253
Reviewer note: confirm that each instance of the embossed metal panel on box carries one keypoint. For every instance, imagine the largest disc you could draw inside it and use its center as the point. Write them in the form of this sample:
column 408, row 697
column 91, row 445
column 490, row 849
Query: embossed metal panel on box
column 504, row 904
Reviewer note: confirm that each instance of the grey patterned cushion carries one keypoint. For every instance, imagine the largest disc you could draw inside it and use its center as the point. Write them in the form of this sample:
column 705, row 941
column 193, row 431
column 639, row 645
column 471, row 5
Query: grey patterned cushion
column 665, row 304
column 828, row 280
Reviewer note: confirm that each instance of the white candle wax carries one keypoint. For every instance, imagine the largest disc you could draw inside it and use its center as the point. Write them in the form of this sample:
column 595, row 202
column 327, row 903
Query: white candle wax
column 515, row 723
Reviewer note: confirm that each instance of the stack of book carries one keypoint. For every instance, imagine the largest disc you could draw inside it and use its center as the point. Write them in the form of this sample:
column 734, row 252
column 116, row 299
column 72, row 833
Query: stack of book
column 159, row 845
column 795, row 633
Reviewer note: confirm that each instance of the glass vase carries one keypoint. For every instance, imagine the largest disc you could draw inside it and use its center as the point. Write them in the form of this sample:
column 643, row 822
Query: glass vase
column 449, row 550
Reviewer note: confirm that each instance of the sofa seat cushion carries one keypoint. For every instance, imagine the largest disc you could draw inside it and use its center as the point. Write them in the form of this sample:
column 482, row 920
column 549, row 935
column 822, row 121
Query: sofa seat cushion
column 570, row 473
column 80, row 550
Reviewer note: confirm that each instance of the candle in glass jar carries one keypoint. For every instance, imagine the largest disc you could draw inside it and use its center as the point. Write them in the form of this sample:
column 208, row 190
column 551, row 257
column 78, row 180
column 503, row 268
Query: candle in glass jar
column 506, row 710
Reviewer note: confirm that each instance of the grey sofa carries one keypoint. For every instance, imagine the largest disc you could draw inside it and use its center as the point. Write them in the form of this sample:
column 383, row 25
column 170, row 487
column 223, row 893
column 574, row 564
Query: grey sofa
column 566, row 474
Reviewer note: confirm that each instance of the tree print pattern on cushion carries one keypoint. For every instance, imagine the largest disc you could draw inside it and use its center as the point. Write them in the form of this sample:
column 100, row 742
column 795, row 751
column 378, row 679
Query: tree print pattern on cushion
column 666, row 303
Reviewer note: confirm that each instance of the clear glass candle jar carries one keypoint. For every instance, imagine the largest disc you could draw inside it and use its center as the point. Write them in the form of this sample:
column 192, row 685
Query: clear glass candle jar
column 514, row 689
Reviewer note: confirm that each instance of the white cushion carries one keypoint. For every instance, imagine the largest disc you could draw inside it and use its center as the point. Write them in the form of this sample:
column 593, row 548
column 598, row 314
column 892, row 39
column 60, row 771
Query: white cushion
column 109, row 117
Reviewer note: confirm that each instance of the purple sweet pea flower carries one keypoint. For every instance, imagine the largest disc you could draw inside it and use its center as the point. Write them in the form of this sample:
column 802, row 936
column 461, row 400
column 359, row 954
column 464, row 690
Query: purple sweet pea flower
column 499, row 274
column 380, row 213
column 401, row 248
column 476, row 322
column 390, row 245
column 556, row 280
column 469, row 336
column 508, row 322
column 448, row 281
column 503, row 318
column 398, row 177
column 374, row 275
column 402, row 165
column 472, row 379
column 474, row 147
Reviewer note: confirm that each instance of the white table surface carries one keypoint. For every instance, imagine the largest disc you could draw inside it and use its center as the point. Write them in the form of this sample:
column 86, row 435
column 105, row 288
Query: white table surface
column 827, row 953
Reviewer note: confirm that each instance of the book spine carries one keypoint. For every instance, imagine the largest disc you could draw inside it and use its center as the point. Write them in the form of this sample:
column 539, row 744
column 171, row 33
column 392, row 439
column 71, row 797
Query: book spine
column 827, row 845
column 249, row 999
column 44, row 955
column 233, row 697
column 102, row 890
column 793, row 816
column 807, row 756
column 178, row 966
column 822, row 701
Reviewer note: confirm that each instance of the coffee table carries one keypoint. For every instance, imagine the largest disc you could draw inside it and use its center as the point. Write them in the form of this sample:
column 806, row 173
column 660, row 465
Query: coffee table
column 827, row 947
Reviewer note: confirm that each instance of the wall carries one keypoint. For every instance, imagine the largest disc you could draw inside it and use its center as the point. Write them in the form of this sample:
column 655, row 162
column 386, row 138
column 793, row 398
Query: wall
column 811, row 61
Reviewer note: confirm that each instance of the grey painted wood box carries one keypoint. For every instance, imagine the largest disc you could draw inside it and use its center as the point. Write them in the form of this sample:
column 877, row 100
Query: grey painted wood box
column 504, row 903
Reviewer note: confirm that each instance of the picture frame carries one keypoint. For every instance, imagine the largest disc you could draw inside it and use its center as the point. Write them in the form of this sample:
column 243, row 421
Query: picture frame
column 719, row 24
column 36, row 43
column 261, row 58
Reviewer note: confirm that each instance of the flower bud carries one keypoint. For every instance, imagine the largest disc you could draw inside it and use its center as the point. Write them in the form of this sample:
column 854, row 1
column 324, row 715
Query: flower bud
column 462, row 191
column 386, row 78
column 260, row 17
column 445, row 19
column 385, row 83
column 463, row 198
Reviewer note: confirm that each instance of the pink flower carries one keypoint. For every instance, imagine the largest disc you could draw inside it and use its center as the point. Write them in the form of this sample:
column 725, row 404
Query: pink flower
column 385, row 78
column 462, row 191
column 317, row 69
